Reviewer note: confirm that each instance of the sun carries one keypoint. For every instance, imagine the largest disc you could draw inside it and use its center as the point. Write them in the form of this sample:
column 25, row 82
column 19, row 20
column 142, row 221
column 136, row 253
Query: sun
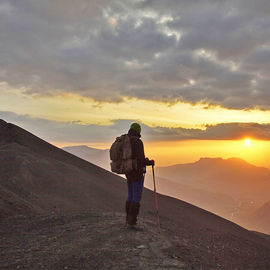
column 247, row 142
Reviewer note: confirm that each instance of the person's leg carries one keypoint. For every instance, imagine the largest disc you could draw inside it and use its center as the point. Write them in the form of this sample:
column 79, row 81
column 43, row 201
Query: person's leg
column 134, row 209
column 130, row 191
column 137, row 189
column 129, row 199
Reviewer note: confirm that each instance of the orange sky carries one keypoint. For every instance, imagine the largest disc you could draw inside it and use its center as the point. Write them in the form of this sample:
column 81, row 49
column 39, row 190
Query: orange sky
column 170, row 153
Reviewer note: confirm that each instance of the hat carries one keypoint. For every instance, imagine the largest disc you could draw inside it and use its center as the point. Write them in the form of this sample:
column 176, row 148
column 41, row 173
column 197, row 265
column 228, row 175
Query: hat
column 136, row 127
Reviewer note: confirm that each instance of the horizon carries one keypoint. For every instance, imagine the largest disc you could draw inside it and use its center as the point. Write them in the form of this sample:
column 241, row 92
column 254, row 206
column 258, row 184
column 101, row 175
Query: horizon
column 171, row 153
column 194, row 75
column 164, row 161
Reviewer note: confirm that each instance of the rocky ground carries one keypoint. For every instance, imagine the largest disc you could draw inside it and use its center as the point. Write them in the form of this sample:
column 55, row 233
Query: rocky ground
column 101, row 241
column 88, row 241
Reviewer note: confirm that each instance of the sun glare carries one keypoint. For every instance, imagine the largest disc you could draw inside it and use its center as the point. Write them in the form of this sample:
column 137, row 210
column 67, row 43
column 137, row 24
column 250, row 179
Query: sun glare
column 247, row 142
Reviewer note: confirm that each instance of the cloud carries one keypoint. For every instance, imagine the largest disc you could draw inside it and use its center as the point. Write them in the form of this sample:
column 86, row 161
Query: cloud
column 75, row 132
column 210, row 51
column 53, row 131
column 223, row 131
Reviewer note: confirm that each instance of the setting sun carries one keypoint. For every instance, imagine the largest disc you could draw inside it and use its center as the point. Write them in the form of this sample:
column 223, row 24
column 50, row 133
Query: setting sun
column 247, row 142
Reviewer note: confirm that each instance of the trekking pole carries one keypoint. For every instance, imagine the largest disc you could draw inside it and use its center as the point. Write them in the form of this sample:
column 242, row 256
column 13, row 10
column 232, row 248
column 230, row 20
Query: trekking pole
column 156, row 200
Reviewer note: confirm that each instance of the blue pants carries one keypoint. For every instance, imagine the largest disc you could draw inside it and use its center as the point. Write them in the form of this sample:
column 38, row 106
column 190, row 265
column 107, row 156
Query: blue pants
column 135, row 191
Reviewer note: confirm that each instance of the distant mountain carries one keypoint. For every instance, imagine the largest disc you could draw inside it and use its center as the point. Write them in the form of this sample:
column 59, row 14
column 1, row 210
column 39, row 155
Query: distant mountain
column 79, row 204
column 96, row 156
column 218, row 203
column 233, row 177
column 231, row 188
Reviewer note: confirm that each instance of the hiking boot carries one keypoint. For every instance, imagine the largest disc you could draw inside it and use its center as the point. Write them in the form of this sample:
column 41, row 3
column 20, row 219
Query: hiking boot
column 133, row 212
column 134, row 228
column 127, row 206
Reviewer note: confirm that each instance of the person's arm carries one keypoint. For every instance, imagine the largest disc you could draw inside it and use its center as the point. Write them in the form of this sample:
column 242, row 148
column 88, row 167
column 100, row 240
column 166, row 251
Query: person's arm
column 141, row 156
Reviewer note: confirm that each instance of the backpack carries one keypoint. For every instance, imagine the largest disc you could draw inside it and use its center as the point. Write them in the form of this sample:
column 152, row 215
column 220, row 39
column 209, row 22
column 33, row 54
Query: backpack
column 121, row 156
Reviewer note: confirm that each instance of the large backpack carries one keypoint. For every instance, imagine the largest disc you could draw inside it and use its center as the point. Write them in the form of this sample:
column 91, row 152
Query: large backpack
column 121, row 156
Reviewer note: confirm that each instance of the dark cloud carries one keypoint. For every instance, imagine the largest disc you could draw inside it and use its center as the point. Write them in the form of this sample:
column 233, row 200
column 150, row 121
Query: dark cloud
column 76, row 132
column 232, row 131
column 224, row 131
column 211, row 51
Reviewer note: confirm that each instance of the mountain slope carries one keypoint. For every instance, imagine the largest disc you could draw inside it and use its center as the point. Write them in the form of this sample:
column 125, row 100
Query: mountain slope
column 49, row 181
column 52, row 179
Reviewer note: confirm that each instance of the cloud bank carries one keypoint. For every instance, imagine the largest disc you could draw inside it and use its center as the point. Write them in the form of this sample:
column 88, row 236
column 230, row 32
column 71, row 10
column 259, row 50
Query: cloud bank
column 75, row 132
column 210, row 51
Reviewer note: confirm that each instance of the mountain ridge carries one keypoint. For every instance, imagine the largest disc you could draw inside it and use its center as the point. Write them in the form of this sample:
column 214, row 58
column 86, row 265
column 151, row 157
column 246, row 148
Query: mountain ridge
column 236, row 175
column 216, row 160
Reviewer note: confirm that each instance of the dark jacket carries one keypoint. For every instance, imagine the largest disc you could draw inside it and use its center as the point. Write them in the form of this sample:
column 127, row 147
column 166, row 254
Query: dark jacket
column 138, row 154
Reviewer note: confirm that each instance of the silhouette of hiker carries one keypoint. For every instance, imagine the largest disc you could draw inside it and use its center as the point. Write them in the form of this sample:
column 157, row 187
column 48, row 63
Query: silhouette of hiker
column 135, row 179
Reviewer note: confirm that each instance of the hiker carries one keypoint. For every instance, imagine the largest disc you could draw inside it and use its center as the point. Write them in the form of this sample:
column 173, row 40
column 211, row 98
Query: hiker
column 135, row 178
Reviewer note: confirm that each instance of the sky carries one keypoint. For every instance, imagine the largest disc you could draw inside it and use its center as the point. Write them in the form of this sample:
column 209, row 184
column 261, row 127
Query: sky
column 194, row 74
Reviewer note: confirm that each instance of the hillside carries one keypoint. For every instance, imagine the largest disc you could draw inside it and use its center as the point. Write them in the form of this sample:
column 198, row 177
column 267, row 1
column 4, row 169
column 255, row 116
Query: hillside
column 39, row 177
column 62, row 202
